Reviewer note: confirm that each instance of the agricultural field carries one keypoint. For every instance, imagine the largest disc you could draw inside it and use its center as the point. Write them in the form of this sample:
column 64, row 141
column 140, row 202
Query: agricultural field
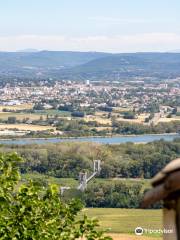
column 98, row 118
column 16, row 107
column 33, row 116
column 21, row 116
column 121, row 223
column 122, row 109
column 167, row 120
column 102, row 118
column 58, row 113
column 25, row 127
column 138, row 120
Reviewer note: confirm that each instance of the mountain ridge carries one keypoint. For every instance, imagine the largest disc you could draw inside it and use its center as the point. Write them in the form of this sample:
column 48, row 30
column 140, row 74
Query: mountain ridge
column 89, row 65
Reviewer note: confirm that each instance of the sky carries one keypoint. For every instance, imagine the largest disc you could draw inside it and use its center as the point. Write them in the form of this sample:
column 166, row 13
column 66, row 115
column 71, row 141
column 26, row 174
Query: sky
column 90, row 25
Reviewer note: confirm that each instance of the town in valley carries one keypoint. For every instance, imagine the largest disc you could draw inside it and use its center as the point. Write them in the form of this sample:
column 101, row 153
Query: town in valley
column 67, row 108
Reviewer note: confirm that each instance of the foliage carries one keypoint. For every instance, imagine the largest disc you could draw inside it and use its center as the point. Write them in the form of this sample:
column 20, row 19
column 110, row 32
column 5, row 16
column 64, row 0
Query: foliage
column 66, row 160
column 137, row 128
column 77, row 114
column 11, row 120
column 129, row 115
column 114, row 195
column 33, row 212
column 129, row 160
column 38, row 106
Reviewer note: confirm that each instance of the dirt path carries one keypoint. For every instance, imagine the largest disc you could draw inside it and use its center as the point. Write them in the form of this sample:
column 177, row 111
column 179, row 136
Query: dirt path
column 117, row 236
column 132, row 237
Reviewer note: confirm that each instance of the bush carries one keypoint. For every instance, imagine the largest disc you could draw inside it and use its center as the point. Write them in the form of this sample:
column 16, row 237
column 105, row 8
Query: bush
column 77, row 114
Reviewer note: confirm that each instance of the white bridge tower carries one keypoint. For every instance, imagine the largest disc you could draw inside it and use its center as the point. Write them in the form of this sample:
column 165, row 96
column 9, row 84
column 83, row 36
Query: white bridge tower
column 84, row 179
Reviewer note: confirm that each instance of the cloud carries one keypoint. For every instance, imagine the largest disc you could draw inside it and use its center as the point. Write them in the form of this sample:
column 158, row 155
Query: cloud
column 118, row 43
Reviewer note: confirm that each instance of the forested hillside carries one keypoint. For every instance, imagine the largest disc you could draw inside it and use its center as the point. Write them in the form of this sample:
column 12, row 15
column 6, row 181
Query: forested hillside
column 46, row 59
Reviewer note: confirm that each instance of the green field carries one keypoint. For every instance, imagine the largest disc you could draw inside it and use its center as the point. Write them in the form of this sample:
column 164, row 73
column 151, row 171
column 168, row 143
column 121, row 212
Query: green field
column 124, row 221
column 34, row 116
column 73, row 183
column 51, row 180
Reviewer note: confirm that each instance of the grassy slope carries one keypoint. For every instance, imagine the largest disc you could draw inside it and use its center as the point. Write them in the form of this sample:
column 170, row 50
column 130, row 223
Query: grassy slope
column 126, row 220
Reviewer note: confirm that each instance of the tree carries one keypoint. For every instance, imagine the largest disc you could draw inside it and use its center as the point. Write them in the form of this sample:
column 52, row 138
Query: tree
column 38, row 106
column 34, row 212
column 11, row 120
column 77, row 114
column 129, row 115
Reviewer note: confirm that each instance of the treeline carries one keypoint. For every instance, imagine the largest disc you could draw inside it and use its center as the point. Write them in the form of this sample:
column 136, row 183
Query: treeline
column 66, row 160
column 135, row 128
column 114, row 195
column 79, row 127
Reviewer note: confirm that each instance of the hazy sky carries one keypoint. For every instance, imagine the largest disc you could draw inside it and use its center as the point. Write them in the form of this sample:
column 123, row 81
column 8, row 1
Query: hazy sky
column 90, row 25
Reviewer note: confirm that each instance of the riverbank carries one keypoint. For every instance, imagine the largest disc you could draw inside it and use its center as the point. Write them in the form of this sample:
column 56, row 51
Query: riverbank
column 87, row 137
column 98, row 139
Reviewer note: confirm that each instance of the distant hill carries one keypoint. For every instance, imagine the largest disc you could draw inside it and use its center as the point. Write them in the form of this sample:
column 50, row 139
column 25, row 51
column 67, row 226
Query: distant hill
column 131, row 65
column 91, row 65
column 29, row 50
column 175, row 51
column 45, row 59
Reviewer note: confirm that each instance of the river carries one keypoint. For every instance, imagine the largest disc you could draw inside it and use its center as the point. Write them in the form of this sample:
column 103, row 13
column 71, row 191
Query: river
column 103, row 140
